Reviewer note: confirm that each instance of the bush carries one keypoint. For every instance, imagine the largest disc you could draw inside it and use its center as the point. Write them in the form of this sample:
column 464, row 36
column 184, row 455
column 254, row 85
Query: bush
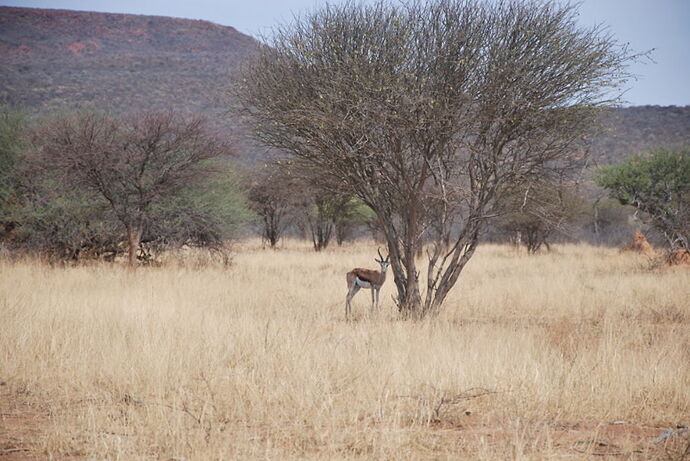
column 658, row 185
column 99, row 186
column 12, row 146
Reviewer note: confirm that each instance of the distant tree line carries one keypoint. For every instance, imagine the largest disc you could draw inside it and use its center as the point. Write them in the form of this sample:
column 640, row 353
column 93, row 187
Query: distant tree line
column 90, row 185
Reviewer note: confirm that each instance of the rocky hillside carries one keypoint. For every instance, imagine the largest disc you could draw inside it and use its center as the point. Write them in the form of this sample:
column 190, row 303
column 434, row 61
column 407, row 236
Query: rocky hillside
column 55, row 60
column 633, row 130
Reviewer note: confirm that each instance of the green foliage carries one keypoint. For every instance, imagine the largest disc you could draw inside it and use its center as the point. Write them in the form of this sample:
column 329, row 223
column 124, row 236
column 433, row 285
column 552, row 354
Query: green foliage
column 351, row 214
column 75, row 223
column 658, row 185
column 67, row 224
column 361, row 213
column 12, row 146
column 223, row 199
column 203, row 215
column 658, row 177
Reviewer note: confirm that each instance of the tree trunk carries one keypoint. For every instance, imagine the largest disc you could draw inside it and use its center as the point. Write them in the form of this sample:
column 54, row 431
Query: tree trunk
column 342, row 231
column 411, row 306
column 403, row 262
column 412, row 242
column 133, row 239
column 321, row 231
column 271, row 228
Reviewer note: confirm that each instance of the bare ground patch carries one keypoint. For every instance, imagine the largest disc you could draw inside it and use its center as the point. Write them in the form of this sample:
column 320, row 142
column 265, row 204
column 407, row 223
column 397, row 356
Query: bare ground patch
column 22, row 426
column 27, row 427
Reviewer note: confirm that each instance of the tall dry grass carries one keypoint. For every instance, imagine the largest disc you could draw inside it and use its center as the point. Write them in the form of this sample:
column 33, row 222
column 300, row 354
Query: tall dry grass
column 256, row 360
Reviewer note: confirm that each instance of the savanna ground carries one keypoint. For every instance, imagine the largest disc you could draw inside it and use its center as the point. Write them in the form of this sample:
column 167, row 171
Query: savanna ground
column 575, row 353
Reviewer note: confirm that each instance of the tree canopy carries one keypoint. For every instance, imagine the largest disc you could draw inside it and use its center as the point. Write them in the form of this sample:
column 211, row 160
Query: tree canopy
column 658, row 185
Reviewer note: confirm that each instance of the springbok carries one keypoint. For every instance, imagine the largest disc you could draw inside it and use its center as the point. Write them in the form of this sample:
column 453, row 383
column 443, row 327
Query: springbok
column 364, row 278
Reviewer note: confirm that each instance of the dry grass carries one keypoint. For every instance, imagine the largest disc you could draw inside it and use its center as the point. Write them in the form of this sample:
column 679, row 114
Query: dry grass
column 533, row 358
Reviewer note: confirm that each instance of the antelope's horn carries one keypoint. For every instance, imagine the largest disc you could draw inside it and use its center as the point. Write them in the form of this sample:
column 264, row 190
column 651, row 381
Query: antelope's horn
column 380, row 257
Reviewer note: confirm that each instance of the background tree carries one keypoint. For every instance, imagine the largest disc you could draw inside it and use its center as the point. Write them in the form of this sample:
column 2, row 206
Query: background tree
column 271, row 198
column 205, row 214
column 657, row 185
column 325, row 209
column 607, row 221
column 134, row 165
column 74, row 223
column 34, row 214
column 351, row 213
column 326, row 213
column 442, row 102
column 317, row 208
column 535, row 213
column 284, row 192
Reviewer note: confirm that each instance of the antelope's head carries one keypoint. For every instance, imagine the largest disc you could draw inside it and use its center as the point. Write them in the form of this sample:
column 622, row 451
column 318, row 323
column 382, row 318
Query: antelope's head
column 383, row 262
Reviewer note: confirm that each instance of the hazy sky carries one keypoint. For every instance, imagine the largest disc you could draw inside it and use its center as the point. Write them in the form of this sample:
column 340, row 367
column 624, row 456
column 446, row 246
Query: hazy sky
column 645, row 24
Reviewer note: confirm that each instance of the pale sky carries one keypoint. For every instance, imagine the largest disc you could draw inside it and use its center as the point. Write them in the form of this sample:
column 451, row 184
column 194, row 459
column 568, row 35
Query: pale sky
column 663, row 25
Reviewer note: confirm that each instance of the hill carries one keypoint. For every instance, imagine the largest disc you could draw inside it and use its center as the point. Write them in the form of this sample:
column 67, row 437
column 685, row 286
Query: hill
column 632, row 130
column 56, row 60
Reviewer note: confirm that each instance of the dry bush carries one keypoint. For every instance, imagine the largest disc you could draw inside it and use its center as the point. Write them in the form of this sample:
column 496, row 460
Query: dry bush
column 679, row 257
column 533, row 356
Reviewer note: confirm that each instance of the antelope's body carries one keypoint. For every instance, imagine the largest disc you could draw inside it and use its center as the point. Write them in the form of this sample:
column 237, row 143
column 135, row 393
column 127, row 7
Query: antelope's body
column 365, row 278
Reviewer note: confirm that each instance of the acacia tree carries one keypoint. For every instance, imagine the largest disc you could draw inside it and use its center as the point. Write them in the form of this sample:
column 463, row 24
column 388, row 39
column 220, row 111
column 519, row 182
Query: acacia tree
column 324, row 214
column 134, row 164
column 271, row 198
column 281, row 195
column 351, row 213
column 658, row 185
column 432, row 107
column 537, row 211
column 317, row 211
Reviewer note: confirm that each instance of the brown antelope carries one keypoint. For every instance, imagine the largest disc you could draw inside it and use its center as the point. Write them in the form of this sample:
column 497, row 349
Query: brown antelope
column 365, row 278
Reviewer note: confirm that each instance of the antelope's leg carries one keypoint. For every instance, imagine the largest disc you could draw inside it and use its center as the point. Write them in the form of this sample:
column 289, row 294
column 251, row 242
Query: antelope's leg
column 348, row 305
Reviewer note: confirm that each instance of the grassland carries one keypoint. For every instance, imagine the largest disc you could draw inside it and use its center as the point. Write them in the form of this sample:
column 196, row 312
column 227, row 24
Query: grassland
column 561, row 355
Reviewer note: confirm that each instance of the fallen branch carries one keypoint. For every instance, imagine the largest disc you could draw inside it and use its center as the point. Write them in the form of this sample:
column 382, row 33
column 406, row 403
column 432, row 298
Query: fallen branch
column 14, row 450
